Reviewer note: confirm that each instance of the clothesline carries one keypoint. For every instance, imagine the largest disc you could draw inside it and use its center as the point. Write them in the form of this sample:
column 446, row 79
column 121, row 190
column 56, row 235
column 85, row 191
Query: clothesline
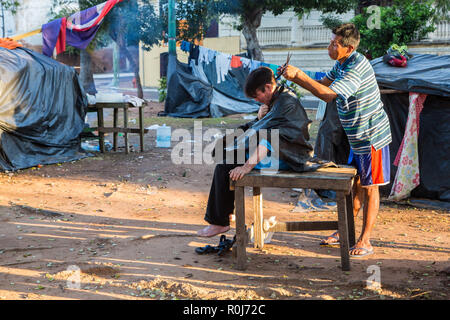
column 225, row 62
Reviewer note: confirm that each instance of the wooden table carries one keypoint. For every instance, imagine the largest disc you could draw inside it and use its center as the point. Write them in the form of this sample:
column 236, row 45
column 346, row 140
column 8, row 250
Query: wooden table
column 336, row 179
column 98, row 107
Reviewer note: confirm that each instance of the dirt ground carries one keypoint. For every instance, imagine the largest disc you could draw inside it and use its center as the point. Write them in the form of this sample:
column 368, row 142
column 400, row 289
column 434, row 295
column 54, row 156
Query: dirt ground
column 125, row 226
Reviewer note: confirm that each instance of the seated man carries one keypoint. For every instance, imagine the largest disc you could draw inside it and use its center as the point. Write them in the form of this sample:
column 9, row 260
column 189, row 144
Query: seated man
column 281, row 110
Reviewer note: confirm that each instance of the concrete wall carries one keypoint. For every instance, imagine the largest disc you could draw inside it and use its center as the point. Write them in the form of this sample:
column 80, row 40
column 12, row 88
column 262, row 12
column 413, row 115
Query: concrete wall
column 31, row 15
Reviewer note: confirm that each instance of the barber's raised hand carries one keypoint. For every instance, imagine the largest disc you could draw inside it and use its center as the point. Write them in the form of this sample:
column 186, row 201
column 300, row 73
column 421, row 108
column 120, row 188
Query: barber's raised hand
column 262, row 111
column 292, row 73
column 239, row 172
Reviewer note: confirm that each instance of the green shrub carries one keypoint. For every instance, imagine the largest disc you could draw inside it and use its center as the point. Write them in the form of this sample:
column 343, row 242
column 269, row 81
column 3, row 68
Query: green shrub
column 162, row 89
column 404, row 22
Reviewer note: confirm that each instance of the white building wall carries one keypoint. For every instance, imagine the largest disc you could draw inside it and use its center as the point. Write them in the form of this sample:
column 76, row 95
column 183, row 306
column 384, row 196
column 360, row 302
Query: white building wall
column 31, row 15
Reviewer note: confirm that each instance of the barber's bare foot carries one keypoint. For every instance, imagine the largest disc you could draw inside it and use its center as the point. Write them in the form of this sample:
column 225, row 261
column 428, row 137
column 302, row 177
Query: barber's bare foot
column 212, row 230
column 361, row 248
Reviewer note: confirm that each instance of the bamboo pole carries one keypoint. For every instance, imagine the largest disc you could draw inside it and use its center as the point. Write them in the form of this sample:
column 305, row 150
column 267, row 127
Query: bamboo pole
column 25, row 35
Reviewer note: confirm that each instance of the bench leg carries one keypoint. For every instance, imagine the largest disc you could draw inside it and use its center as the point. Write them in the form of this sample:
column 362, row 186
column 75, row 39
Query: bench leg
column 125, row 125
column 350, row 219
column 115, row 123
column 258, row 218
column 241, row 234
column 100, row 125
column 141, row 127
column 343, row 230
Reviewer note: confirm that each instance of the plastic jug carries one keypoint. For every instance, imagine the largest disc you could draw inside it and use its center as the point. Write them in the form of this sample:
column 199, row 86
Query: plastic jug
column 163, row 136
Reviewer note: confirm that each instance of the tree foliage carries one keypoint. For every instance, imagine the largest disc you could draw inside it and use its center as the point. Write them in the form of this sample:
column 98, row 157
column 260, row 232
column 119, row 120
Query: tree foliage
column 11, row 5
column 403, row 22
column 200, row 12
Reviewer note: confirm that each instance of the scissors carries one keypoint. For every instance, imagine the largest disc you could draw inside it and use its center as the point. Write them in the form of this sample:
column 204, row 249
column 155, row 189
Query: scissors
column 283, row 67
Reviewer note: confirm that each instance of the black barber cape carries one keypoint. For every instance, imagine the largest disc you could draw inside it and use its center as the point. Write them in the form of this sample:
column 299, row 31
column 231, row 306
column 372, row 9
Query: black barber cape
column 288, row 116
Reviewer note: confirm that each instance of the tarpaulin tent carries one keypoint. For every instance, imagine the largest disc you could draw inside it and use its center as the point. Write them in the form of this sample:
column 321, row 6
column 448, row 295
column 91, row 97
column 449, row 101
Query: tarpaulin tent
column 42, row 110
column 194, row 92
column 425, row 74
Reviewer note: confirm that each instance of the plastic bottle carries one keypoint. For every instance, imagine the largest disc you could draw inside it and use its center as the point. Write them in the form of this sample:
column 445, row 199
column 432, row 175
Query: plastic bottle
column 163, row 136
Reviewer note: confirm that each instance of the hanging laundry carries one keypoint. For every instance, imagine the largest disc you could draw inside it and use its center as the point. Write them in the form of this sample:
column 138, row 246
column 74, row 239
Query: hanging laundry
column 408, row 176
column 185, row 46
column 194, row 53
column 223, row 65
column 211, row 55
column 246, row 63
column 236, row 62
column 320, row 75
column 274, row 68
column 255, row 65
column 203, row 55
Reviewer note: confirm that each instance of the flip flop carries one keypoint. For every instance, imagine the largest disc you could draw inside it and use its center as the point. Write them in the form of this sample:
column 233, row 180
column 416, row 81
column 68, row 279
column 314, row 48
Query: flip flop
column 225, row 244
column 366, row 252
column 206, row 249
column 324, row 243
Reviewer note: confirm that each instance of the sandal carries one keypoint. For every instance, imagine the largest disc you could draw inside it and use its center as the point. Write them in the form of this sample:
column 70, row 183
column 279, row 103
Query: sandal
column 225, row 244
column 206, row 249
column 334, row 236
column 365, row 252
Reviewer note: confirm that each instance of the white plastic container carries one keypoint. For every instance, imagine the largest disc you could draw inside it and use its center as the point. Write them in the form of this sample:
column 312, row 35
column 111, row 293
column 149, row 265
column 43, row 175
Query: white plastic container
column 163, row 136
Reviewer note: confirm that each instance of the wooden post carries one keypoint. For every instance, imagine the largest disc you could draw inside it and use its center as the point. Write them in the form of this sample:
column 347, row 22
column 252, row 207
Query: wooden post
column 141, row 127
column 258, row 232
column 350, row 219
column 240, row 228
column 125, row 126
column 100, row 125
column 343, row 230
column 115, row 123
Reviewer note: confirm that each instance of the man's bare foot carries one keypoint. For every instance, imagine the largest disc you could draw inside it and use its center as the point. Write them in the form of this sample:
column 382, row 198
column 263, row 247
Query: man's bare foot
column 331, row 240
column 361, row 249
column 212, row 230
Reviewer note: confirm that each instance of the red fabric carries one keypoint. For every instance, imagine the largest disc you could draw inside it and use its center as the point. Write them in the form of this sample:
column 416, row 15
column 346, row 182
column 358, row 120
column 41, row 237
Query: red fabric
column 377, row 166
column 61, row 42
column 108, row 6
column 396, row 62
column 236, row 62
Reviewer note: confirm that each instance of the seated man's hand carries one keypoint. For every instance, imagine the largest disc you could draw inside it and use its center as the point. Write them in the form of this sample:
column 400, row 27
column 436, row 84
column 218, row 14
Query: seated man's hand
column 262, row 111
column 239, row 172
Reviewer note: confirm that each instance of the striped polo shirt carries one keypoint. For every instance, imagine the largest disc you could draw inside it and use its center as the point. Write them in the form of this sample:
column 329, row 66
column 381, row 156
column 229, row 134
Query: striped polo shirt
column 359, row 105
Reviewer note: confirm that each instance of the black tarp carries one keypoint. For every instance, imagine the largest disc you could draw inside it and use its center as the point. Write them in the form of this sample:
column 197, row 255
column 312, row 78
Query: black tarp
column 42, row 110
column 194, row 92
column 426, row 74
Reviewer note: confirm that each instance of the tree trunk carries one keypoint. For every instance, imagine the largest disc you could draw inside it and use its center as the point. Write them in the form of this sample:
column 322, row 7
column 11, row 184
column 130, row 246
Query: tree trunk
column 122, row 43
column 250, row 23
column 86, row 73
column 135, row 67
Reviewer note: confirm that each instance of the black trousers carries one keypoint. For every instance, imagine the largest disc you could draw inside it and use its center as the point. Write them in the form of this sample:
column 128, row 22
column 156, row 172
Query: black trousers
column 221, row 198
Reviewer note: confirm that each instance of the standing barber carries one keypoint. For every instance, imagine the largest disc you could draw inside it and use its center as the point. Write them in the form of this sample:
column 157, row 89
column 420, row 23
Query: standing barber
column 352, row 83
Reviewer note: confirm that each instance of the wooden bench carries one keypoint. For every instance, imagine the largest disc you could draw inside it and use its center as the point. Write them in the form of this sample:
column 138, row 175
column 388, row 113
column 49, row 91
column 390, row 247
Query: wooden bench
column 98, row 108
column 336, row 179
